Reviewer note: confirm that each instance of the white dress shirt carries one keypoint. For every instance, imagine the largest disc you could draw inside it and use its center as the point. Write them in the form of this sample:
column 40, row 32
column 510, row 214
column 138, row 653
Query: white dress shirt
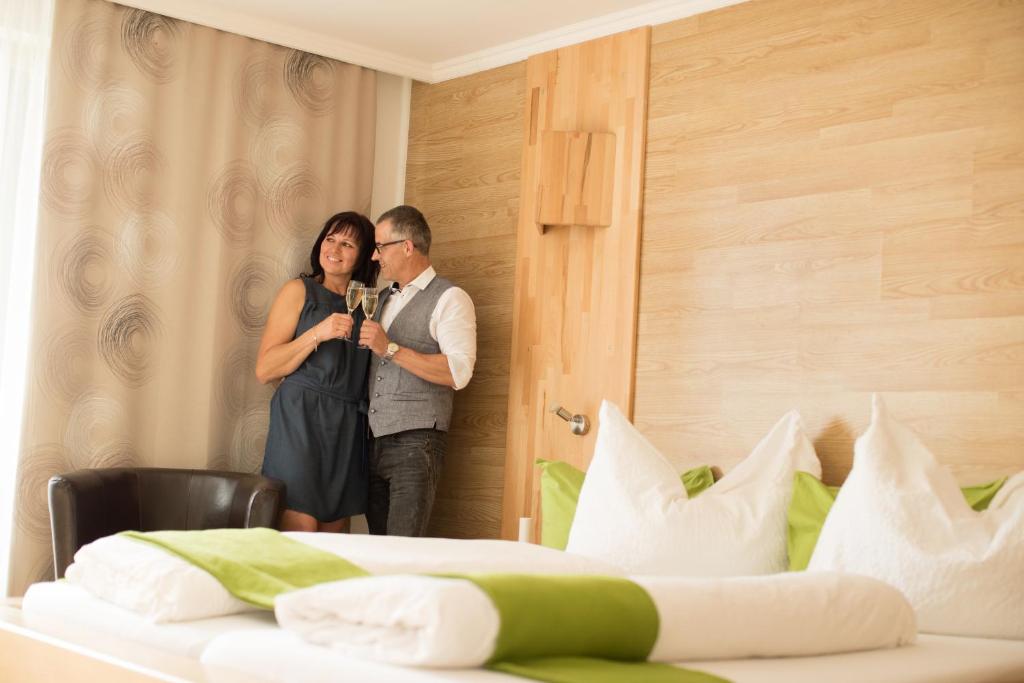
column 452, row 323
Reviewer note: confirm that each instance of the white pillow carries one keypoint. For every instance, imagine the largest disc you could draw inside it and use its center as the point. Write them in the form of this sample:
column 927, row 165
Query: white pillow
column 901, row 518
column 633, row 510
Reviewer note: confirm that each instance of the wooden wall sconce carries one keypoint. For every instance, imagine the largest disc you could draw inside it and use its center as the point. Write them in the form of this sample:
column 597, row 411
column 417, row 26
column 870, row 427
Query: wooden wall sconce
column 576, row 179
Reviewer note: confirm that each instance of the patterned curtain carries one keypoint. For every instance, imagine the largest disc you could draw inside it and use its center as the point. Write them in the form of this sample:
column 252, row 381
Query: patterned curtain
column 185, row 175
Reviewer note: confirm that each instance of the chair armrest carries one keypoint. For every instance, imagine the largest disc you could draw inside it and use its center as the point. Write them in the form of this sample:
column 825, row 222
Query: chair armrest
column 257, row 502
column 89, row 504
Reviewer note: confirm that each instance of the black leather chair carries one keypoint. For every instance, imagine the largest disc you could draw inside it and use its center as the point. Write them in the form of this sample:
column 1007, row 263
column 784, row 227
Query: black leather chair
column 89, row 504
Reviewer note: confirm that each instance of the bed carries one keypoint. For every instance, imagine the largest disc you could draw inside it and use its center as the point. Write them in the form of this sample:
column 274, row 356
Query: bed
column 252, row 644
column 881, row 525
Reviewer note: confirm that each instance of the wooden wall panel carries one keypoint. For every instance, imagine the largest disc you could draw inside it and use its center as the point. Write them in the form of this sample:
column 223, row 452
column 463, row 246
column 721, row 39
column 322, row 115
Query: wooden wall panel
column 833, row 207
column 465, row 141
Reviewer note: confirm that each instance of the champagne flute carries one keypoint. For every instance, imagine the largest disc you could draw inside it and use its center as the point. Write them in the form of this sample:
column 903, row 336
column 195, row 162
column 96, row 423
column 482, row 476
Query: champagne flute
column 369, row 305
column 353, row 295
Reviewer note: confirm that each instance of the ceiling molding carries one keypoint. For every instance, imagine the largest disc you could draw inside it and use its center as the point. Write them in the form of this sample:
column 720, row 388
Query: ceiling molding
column 650, row 14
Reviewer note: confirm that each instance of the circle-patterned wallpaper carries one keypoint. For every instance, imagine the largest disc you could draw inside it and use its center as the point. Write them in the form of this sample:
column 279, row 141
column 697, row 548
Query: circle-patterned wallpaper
column 178, row 193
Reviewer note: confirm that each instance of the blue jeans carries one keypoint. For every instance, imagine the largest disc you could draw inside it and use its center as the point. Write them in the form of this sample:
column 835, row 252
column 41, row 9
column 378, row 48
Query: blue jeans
column 404, row 471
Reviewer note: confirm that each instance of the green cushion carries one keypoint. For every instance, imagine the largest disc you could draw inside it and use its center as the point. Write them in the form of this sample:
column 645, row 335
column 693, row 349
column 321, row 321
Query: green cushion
column 812, row 500
column 560, row 485
column 978, row 497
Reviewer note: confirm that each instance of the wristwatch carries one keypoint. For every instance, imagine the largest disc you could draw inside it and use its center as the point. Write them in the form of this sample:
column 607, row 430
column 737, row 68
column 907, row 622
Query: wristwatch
column 392, row 350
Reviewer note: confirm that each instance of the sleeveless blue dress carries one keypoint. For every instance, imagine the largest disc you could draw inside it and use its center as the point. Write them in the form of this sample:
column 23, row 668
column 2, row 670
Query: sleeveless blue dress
column 317, row 443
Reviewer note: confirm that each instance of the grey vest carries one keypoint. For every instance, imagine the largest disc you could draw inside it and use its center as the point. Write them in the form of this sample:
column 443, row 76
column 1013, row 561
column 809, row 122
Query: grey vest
column 399, row 400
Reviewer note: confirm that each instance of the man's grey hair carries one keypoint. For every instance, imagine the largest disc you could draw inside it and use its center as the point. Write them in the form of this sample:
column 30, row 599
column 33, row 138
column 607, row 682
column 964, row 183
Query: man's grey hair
column 408, row 223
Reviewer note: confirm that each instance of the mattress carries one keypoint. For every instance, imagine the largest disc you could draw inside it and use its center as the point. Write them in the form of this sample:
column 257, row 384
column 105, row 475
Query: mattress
column 280, row 656
column 59, row 608
column 933, row 659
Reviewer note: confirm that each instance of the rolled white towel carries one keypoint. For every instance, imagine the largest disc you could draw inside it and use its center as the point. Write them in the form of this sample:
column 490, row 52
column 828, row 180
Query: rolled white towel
column 452, row 622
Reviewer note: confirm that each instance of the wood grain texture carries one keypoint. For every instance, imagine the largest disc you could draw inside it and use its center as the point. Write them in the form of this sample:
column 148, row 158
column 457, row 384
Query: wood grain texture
column 574, row 312
column 833, row 208
column 62, row 650
column 577, row 178
column 465, row 141
column 29, row 657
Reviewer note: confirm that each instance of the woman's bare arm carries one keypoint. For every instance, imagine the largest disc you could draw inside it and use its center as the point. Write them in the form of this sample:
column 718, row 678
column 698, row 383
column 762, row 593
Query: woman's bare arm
column 280, row 355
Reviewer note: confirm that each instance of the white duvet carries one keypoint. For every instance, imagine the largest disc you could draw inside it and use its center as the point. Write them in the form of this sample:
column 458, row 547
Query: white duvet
column 163, row 587
column 448, row 622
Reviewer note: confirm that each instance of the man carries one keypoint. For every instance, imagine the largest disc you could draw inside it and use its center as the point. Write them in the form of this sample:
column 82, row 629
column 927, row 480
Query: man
column 425, row 345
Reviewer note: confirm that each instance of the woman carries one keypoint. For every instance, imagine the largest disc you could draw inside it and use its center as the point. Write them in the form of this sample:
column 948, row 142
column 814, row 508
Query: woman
column 317, row 443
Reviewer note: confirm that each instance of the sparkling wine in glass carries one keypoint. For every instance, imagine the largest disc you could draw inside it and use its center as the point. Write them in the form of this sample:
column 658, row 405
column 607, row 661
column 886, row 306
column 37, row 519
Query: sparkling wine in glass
column 369, row 305
column 369, row 302
column 353, row 295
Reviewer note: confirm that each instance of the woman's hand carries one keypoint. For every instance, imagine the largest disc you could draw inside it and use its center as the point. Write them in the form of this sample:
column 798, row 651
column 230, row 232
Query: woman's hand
column 334, row 326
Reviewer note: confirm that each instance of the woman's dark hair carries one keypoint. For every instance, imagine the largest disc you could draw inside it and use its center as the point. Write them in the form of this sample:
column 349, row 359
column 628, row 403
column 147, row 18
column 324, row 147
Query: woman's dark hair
column 362, row 229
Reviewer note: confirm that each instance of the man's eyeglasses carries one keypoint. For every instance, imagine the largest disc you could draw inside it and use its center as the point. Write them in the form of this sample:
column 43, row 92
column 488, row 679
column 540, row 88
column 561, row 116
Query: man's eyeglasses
column 379, row 246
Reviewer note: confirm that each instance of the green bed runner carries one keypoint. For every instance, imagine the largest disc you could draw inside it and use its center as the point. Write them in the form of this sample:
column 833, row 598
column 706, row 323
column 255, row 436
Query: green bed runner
column 594, row 670
column 608, row 624
column 593, row 616
column 254, row 565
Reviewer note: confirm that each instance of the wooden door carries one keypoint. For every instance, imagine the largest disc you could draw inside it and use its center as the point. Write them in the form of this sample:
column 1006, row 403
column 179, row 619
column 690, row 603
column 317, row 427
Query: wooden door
column 575, row 299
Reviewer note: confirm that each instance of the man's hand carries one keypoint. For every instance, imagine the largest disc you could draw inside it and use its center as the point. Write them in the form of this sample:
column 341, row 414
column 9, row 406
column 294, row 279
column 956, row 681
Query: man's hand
column 372, row 336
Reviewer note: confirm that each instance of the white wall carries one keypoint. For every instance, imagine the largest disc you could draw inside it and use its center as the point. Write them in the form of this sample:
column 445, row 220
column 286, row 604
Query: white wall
column 394, row 94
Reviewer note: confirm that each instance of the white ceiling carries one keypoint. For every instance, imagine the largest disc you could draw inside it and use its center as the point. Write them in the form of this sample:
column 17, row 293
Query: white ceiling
column 428, row 40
